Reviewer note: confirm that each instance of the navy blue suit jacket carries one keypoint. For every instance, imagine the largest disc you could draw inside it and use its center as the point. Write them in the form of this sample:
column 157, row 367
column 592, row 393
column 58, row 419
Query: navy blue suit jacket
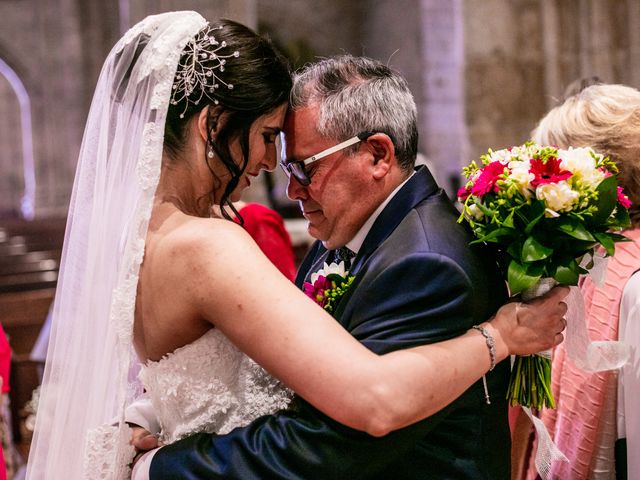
column 417, row 281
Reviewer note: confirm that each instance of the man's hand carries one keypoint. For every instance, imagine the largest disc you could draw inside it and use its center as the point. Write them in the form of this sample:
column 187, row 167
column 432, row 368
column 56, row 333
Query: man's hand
column 528, row 328
column 143, row 441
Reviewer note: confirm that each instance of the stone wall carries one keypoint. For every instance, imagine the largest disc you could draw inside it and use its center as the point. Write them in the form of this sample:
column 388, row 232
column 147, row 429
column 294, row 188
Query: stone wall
column 482, row 71
column 521, row 55
column 57, row 48
column 504, row 71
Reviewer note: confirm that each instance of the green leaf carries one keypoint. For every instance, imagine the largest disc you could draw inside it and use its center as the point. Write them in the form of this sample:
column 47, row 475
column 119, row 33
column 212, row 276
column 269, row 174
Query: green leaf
column 567, row 271
column 607, row 242
column 622, row 217
column 334, row 277
column 508, row 222
column 532, row 250
column 566, row 276
column 485, row 210
column 520, row 277
column 496, row 235
column 514, row 249
column 616, row 237
column 607, row 200
column 574, row 228
column 537, row 212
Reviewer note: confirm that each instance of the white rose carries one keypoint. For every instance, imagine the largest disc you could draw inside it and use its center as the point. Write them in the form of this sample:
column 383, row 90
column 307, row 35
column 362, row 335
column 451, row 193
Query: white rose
column 557, row 196
column 502, row 156
column 581, row 163
column 521, row 177
column 593, row 178
column 329, row 269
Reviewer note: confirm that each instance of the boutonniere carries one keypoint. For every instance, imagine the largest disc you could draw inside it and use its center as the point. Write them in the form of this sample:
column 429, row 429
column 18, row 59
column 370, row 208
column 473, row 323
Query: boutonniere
column 328, row 285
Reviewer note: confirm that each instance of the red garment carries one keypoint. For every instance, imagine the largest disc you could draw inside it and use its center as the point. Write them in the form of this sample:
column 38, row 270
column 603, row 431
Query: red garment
column 3, row 467
column 267, row 229
column 5, row 360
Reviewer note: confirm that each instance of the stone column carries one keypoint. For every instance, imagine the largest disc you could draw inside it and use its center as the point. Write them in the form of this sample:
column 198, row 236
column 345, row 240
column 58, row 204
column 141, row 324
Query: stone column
column 633, row 63
column 442, row 108
column 423, row 40
column 553, row 84
column 12, row 184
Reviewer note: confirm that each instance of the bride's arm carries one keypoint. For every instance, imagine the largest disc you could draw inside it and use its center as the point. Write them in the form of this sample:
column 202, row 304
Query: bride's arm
column 230, row 283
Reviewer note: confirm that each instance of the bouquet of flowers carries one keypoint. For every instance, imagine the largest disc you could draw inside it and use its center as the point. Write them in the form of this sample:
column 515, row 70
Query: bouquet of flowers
column 546, row 209
column 328, row 285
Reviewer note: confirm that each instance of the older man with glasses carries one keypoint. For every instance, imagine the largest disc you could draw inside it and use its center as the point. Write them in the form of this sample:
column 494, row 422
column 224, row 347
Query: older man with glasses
column 351, row 144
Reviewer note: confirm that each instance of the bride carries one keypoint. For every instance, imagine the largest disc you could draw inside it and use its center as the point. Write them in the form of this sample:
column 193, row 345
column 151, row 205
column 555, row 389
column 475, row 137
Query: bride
column 185, row 115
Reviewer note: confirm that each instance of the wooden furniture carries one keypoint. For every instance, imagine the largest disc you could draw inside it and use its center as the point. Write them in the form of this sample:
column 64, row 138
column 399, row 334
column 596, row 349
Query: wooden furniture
column 30, row 254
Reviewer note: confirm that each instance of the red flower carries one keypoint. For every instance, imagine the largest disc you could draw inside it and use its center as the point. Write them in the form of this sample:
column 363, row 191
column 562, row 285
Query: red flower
column 463, row 193
column 488, row 179
column 623, row 199
column 316, row 291
column 549, row 172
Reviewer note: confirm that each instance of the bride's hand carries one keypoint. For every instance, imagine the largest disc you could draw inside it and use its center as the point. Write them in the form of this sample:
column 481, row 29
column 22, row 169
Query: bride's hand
column 143, row 441
column 527, row 328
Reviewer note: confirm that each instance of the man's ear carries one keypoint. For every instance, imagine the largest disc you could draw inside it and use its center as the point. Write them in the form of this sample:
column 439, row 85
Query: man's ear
column 384, row 154
column 209, row 118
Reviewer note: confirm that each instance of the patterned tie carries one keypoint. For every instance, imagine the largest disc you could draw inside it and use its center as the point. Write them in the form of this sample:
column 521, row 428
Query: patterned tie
column 343, row 254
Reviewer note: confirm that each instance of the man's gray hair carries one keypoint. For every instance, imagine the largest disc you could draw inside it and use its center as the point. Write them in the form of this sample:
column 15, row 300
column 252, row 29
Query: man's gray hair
column 358, row 94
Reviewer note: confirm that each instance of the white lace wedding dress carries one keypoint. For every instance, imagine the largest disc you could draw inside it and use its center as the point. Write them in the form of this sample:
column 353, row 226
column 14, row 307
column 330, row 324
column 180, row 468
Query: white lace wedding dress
column 210, row 386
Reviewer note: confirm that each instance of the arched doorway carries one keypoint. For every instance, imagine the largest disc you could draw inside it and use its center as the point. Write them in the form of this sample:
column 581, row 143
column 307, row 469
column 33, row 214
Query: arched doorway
column 18, row 180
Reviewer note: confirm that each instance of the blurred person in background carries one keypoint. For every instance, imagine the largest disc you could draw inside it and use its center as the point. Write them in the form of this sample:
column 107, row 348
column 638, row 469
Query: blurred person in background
column 597, row 420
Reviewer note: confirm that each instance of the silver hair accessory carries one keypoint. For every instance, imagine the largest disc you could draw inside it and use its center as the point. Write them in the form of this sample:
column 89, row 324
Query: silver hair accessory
column 200, row 66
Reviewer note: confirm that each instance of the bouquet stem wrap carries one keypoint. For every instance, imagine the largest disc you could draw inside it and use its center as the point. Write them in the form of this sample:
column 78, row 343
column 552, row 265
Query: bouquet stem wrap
column 530, row 382
column 592, row 356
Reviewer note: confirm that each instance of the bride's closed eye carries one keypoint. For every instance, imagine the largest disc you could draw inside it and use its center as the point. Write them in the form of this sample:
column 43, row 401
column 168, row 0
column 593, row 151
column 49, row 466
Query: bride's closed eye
column 271, row 135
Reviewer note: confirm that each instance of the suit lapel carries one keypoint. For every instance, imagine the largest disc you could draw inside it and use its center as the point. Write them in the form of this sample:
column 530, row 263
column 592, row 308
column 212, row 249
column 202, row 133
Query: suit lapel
column 312, row 263
column 418, row 188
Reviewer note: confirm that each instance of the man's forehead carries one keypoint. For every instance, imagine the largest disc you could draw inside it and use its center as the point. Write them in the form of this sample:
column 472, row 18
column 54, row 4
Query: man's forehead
column 300, row 131
column 297, row 119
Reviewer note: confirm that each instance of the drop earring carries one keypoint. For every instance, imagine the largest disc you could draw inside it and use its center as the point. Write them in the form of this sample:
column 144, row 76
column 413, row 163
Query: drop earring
column 210, row 153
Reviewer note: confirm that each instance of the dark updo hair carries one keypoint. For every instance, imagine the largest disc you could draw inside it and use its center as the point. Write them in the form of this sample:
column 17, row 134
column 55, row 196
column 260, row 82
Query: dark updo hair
column 261, row 80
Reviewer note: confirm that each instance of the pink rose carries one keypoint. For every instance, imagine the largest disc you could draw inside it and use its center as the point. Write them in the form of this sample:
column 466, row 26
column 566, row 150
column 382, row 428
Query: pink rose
column 488, row 179
column 623, row 199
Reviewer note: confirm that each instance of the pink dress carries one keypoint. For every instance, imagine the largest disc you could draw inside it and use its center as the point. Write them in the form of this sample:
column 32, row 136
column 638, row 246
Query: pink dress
column 584, row 424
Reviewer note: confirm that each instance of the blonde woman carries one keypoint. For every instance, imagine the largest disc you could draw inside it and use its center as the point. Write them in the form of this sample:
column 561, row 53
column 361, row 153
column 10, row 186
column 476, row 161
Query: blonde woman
column 598, row 416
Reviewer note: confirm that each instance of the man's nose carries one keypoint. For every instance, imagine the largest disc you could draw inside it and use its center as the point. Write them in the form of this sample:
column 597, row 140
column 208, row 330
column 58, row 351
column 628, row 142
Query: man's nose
column 296, row 191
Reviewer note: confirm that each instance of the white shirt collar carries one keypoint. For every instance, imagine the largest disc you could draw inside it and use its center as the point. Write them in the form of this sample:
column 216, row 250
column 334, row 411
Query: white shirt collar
column 356, row 242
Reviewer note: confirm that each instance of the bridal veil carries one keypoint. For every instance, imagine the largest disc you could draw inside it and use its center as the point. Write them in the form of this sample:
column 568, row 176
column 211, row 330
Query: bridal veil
column 90, row 373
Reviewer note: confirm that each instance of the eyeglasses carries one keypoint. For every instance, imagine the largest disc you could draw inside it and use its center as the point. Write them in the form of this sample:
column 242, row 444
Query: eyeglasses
column 297, row 168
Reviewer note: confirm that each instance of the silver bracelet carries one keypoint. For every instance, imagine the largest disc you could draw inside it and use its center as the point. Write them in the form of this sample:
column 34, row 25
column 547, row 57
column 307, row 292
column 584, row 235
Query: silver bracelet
column 491, row 344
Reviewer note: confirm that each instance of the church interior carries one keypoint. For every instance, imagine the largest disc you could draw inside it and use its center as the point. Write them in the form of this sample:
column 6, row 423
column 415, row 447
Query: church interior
column 482, row 72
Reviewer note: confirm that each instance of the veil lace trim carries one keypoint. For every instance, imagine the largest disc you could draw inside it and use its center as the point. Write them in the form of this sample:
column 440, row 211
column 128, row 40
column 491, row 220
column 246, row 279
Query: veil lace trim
column 91, row 371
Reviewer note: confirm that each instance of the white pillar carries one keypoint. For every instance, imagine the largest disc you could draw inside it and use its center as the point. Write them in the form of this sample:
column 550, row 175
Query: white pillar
column 442, row 113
